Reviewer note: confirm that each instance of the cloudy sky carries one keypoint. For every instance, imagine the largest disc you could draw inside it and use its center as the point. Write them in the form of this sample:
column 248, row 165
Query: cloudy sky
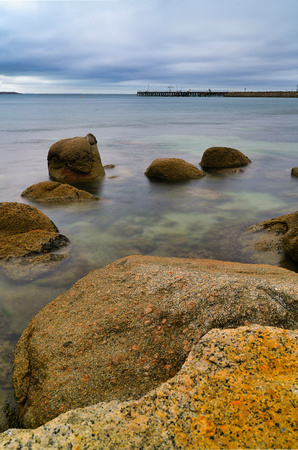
column 121, row 46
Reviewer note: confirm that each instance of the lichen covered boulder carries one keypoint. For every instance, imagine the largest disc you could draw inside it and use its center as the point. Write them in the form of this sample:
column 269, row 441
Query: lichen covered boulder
column 126, row 328
column 173, row 169
column 24, row 230
column 237, row 389
column 75, row 160
column 53, row 192
column 223, row 157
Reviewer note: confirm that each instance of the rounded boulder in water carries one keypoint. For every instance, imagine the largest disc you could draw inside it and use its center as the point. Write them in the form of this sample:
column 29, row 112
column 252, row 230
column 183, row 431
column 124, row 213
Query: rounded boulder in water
column 223, row 157
column 173, row 169
column 75, row 160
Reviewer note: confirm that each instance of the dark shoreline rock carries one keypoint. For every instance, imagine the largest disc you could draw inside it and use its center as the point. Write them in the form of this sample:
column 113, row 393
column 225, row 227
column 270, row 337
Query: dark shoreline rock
column 124, row 329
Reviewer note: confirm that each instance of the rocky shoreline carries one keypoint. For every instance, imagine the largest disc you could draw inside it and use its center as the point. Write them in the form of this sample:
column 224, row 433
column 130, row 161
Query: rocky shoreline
column 152, row 352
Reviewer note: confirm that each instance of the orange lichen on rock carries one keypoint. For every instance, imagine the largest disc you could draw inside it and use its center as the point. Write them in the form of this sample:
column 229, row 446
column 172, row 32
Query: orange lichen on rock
column 231, row 403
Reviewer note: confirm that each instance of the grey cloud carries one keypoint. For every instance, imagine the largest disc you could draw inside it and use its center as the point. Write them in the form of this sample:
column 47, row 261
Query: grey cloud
column 211, row 42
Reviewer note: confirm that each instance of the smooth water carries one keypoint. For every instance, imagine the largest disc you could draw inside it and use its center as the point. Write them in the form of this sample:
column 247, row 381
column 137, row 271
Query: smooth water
column 200, row 218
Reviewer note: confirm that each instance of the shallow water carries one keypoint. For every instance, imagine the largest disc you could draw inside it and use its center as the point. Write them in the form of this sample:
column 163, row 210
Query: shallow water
column 200, row 218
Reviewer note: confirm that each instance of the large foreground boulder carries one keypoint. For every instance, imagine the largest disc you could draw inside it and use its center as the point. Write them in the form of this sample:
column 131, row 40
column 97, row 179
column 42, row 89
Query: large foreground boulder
column 55, row 193
column 124, row 329
column 24, row 231
column 75, row 160
column 173, row 169
column 280, row 233
column 237, row 389
column 223, row 157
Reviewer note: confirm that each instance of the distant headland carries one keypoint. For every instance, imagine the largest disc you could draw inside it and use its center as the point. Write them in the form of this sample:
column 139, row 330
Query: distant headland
column 16, row 93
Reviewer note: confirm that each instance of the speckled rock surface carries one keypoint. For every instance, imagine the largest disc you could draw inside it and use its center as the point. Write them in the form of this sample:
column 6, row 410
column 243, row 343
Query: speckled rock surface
column 172, row 169
column 75, row 160
column 53, row 192
column 280, row 233
column 237, row 389
column 24, row 230
column 223, row 157
column 122, row 330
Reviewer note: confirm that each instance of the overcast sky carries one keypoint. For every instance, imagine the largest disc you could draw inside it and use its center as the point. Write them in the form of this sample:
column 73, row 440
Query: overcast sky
column 121, row 46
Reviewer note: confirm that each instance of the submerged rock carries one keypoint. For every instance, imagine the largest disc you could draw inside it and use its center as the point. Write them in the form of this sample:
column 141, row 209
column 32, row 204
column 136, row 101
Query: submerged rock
column 223, row 157
column 109, row 166
column 237, row 389
column 53, row 192
column 75, row 160
column 124, row 329
column 173, row 169
column 280, row 233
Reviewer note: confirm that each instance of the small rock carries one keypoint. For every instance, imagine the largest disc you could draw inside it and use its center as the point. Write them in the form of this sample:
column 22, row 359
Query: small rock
column 109, row 166
column 294, row 172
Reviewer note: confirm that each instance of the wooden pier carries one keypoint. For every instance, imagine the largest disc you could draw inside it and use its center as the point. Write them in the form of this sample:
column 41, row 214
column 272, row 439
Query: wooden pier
column 209, row 93
column 182, row 93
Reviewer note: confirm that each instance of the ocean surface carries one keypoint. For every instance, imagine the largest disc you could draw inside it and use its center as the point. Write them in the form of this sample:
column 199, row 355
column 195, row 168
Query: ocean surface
column 203, row 218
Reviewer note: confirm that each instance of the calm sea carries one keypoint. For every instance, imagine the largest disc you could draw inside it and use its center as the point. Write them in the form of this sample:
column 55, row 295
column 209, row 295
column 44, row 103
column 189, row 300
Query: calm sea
column 202, row 218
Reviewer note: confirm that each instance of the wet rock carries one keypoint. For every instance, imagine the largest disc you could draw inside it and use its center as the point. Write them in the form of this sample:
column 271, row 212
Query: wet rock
column 124, row 329
column 24, row 230
column 223, row 157
column 237, row 389
column 26, row 235
column 6, row 410
column 173, row 169
column 294, row 172
column 75, row 160
column 55, row 193
column 281, row 233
